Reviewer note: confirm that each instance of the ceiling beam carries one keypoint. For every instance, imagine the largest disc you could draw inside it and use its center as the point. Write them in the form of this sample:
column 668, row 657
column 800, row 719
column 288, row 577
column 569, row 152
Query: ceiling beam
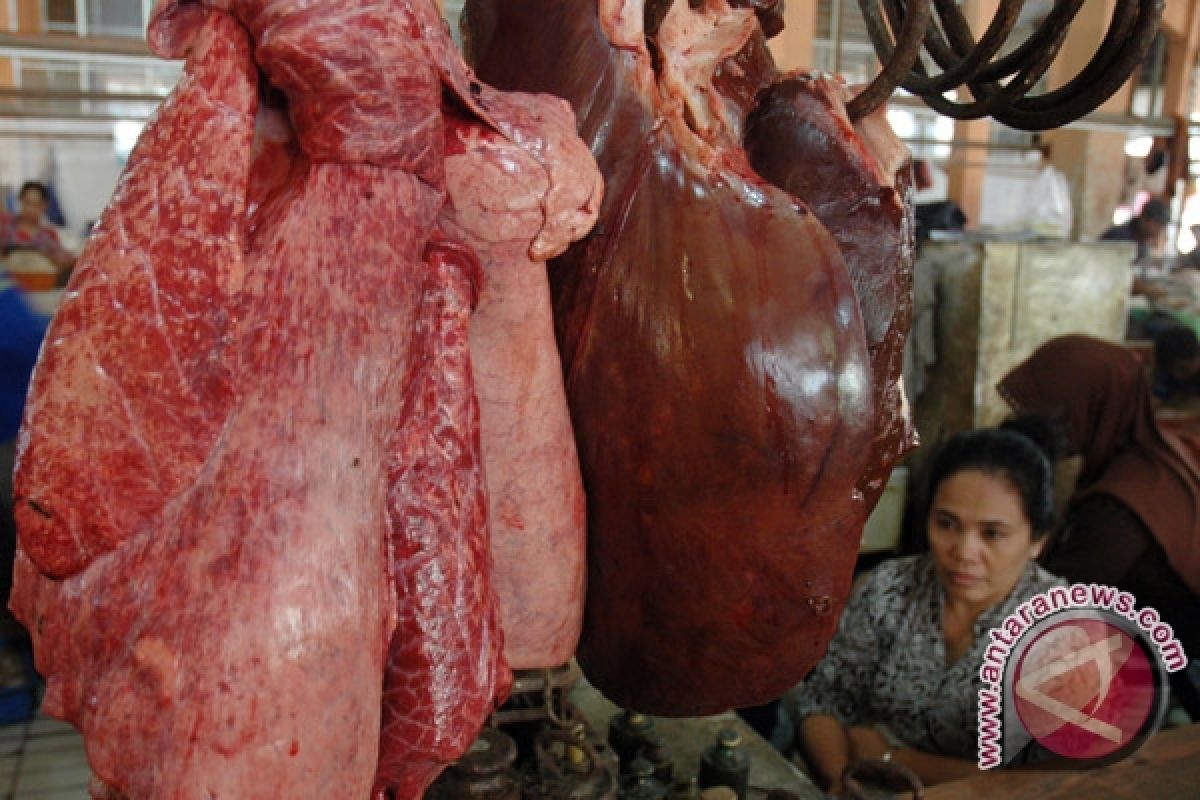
column 67, row 94
column 64, row 43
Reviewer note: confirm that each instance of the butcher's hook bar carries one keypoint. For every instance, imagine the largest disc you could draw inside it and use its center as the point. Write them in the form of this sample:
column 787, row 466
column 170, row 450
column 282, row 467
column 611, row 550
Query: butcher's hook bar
column 897, row 57
column 999, row 87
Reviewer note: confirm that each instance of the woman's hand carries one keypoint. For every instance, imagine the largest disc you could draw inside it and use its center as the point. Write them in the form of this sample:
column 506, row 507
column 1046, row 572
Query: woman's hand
column 866, row 742
column 826, row 748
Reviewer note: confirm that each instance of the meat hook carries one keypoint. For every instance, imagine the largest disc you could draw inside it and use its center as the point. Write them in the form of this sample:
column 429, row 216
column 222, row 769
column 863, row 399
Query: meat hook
column 999, row 87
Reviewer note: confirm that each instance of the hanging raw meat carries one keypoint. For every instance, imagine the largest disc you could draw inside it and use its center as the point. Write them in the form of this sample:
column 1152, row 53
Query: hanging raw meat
column 253, row 556
column 857, row 180
column 516, row 214
column 718, row 373
column 717, row 366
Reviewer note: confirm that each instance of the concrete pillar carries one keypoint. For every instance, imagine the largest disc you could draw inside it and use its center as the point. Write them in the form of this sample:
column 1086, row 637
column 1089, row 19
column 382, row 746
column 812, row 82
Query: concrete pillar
column 967, row 167
column 1094, row 165
column 7, row 23
column 29, row 16
column 1093, row 161
column 1181, row 25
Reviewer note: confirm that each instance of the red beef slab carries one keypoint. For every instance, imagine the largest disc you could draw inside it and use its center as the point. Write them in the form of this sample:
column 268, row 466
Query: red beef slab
column 254, row 553
column 226, row 636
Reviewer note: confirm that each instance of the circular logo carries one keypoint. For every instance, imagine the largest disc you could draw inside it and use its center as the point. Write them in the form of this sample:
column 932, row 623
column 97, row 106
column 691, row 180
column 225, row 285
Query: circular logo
column 1086, row 687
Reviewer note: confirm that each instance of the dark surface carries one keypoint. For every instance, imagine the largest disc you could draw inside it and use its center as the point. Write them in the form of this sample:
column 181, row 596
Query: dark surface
column 1166, row 767
column 687, row 739
column 796, row 140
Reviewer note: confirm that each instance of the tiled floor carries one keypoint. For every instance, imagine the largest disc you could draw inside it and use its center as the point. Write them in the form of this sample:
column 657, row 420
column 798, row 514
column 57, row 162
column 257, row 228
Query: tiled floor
column 42, row 760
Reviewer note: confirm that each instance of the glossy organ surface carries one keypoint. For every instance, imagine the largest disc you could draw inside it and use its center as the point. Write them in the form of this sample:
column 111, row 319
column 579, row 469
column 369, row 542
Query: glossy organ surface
column 857, row 180
column 718, row 372
column 253, row 516
column 516, row 214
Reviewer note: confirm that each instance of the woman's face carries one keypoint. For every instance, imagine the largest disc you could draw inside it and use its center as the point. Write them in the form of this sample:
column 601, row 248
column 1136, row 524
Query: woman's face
column 980, row 537
column 31, row 206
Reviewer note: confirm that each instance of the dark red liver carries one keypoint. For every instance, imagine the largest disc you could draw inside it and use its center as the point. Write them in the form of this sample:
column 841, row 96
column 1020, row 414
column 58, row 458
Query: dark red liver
column 719, row 380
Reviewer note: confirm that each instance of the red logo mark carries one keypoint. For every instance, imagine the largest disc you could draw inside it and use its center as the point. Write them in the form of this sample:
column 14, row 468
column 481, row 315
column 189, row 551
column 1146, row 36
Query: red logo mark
column 1084, row 688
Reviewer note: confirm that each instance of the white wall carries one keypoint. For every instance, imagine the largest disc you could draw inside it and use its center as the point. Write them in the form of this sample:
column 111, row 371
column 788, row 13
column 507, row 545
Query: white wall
column 86, row 172
column 1004, row 189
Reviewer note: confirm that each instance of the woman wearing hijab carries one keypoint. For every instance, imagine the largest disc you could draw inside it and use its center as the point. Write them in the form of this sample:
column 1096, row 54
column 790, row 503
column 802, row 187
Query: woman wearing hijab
column 1134, row 519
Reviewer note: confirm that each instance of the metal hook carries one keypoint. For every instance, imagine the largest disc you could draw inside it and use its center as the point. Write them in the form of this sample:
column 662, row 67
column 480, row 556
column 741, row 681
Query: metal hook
column 999, row 87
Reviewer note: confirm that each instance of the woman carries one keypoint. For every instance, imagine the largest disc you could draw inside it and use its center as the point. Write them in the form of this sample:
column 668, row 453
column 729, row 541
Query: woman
column 910, row 642
column 1134, row 519
column 27, row 229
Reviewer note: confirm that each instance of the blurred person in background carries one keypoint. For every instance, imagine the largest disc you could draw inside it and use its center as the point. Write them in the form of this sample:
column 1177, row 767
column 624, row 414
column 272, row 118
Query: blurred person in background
column 28, row 229
column 1145, row 230
column 1133, row 519
column 1176, row 364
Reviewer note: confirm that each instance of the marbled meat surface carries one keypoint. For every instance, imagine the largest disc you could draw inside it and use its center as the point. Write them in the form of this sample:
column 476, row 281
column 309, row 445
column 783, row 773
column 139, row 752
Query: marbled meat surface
column 254, row 553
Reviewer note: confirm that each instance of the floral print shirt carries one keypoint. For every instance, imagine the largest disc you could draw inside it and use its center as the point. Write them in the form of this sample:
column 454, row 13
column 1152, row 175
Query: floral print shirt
column 887, row 663
column 13, row 237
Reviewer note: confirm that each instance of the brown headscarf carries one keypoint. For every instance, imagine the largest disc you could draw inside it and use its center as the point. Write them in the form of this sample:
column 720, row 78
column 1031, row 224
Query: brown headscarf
column 1099, row 391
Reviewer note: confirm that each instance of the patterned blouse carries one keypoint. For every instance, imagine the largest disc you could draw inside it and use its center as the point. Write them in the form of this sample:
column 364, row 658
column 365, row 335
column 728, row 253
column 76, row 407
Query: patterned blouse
column 14, row 237
column 887, row 663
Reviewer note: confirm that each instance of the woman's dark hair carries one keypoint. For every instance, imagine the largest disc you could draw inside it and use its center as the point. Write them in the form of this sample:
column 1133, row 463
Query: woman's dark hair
column 36, row 185
column 1021, row 452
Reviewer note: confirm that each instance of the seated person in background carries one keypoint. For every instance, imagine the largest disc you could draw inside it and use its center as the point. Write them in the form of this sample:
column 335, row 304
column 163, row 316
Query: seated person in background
column 1134, row 518
column 28, row 230
column 1146, row 229
column 910, row 643
column 1176, row 364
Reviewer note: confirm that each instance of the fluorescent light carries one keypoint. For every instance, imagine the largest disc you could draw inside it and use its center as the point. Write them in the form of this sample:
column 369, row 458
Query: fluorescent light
column 125, row 136
column 1138, row 147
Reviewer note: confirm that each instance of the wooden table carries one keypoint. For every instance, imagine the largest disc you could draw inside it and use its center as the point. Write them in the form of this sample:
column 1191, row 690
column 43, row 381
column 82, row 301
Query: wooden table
column 1168, row 766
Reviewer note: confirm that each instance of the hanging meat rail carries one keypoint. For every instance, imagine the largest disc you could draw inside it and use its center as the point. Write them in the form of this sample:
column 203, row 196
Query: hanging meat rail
column 999, row 86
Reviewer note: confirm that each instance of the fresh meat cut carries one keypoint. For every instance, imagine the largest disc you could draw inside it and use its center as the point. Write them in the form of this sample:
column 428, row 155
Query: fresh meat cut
column 727, row 400
column 171, row 610
column 442, row 666
column 516, row 215
column 253, row 552
column 858, row 181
